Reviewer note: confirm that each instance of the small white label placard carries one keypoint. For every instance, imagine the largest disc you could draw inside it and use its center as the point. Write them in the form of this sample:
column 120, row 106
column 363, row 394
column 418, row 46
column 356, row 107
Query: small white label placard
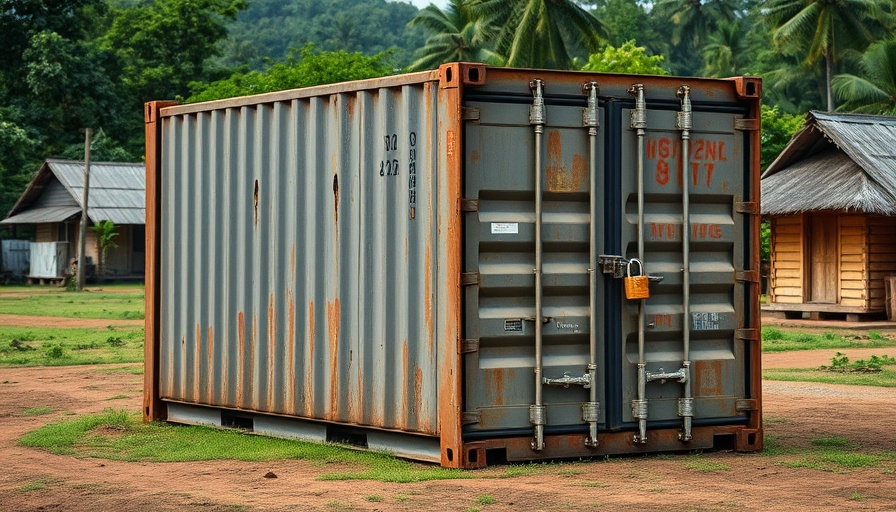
column 505, row 228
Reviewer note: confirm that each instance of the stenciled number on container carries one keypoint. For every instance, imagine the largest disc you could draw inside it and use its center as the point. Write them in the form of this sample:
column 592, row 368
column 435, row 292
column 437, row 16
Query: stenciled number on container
column 704, row 153
column 412, row 174
column 389, row 165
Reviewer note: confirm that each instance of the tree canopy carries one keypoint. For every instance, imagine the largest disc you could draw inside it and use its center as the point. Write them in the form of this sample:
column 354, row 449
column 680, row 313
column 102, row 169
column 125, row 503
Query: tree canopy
column 70, row 64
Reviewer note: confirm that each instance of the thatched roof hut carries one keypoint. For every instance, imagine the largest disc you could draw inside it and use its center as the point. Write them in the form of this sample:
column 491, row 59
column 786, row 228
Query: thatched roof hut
column 841, row 162
column 831, row 198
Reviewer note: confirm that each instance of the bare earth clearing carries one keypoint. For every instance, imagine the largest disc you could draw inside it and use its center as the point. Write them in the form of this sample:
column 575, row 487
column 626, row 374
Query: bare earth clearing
column 796, row 414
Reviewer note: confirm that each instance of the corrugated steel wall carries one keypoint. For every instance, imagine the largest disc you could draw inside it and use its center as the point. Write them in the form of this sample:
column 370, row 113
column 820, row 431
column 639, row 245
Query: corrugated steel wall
column 297, row 257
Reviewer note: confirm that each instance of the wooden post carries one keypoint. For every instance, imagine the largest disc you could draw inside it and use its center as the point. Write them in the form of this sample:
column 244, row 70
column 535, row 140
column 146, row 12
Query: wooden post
column 82, row 240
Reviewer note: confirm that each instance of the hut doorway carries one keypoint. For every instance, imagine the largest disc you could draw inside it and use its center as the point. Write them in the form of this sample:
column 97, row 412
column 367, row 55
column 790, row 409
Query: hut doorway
column 823, row 245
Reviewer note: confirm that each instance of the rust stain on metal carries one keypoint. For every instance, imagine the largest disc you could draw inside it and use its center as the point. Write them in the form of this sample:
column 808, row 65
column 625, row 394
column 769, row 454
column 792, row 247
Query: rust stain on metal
column 333, row 340
column 272, row 351
column 580, row 179
column 496, row 386
column 401, row 420
column 210, row 364
column 350, row 106
column 427, row 294
column 197, row 364
column 241, row 341
column 290, row 384
column 559, row 178
column 449, row 376
column 418, row 398
column 709, row 378
column 292, row 262
column 253, row 340
column 474, row 156
column 308, row 387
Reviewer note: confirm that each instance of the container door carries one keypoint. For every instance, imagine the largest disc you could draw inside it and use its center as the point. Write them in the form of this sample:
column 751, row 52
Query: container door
column 500, row 258
column 718, row 248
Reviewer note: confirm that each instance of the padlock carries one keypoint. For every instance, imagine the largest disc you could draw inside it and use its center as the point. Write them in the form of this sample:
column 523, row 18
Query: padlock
column 636, row 286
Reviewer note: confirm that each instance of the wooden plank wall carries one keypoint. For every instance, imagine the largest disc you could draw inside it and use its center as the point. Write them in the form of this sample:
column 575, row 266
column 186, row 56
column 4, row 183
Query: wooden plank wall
column 786, row 279
column 46, row 233
column 854, row 261
column 881, row 257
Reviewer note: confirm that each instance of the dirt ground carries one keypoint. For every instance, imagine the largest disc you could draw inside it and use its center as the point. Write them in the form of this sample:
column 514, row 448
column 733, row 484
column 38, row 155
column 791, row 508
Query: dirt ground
column 796, row 413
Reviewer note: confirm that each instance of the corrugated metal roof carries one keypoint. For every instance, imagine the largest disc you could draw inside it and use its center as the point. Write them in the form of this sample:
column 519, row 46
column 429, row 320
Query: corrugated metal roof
column 39, row 215
column 117, row 192
column 809, row 175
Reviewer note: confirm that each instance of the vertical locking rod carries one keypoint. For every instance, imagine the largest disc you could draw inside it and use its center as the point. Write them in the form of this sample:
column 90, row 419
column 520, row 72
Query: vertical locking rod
column 591, row 409
column 684, row 123
column 537, row 411
column 639, row 124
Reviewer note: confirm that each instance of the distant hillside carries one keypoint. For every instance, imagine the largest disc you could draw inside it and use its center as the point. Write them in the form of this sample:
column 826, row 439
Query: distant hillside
column 269, row 28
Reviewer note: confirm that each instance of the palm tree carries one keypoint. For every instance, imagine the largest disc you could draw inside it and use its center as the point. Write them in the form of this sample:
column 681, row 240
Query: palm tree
column 875, row 91
column 540, row 33
column 695, row 20
column 458, row 35
column 724, row 51
column 819, row 24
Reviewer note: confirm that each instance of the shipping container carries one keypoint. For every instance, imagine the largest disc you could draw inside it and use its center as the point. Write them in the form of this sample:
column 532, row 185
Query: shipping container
column 437, row 264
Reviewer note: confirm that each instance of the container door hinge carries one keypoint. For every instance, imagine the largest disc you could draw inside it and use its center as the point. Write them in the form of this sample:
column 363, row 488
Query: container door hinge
column 469, row 205
column 468, row 418
column 746, row 125
column 750, row 207
column 470, row 114
column 469, row 279
column 469, row 346
column 750, row 276
column 747, row 334
column 746, row 404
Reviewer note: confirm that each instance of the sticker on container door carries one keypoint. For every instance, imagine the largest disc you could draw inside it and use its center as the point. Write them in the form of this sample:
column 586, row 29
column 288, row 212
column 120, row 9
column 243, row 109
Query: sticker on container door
column 505, row 228
column 706, row 321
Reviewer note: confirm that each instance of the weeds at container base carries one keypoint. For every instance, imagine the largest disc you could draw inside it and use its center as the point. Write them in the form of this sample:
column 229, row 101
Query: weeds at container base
column 121, row 435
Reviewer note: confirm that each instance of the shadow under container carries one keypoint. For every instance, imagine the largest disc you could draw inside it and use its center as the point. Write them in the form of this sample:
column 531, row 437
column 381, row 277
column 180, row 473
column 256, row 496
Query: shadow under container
column 434, row 264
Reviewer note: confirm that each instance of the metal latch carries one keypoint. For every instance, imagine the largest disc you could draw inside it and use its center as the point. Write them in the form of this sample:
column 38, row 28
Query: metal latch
column 568, row 380
column 616, row 266
column 612, row 265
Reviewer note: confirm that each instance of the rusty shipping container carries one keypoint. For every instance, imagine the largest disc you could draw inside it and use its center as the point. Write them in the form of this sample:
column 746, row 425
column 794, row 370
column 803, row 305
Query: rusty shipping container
column 438, row 264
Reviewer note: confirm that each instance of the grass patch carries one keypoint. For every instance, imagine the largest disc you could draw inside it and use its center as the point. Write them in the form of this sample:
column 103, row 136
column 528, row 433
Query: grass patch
column 833, row 454
column 831, row 442
column 37, row 411
column 485, row 499
column 702, row 465
column 133, row 370
column 119, row 435
column 778, row 340
column 35, row 485
column 113, row 302
column 886, row 378
column 373, row 498
column 515, row 470
column 874, row 364
column 773, row 447
column 118, row 397
column 46, row 346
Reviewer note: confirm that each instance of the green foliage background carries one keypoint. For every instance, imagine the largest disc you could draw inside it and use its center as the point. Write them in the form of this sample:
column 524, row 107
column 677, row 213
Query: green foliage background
column 70, row 64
